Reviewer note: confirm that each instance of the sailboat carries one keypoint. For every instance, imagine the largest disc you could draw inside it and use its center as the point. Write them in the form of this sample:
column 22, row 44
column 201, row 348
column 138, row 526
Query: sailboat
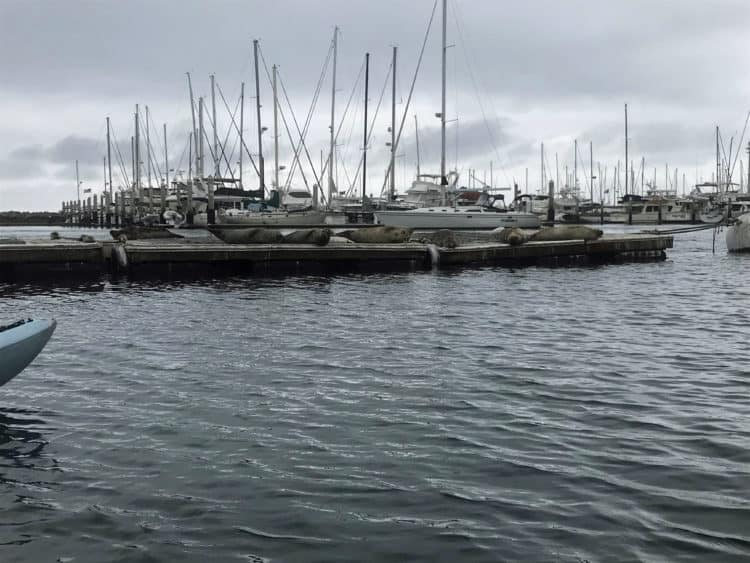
column 445, row 216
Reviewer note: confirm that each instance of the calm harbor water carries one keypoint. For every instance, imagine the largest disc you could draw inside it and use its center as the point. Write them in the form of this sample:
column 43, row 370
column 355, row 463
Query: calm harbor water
column 494, row 414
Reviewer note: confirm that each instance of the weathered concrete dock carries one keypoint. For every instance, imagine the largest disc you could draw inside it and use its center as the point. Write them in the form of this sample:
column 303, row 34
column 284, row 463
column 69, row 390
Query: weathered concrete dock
column 174, row 257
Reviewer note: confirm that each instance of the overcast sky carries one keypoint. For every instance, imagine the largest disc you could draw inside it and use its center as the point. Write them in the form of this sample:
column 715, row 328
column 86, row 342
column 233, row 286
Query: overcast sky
column 519, row 74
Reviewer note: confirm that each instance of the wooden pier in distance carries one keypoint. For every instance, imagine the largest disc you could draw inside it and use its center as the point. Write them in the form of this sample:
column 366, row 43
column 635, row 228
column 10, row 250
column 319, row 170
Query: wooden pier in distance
column 176, row 257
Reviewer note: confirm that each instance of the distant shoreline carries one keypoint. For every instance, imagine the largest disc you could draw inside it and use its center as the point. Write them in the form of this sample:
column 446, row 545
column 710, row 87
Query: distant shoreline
column 31, row 219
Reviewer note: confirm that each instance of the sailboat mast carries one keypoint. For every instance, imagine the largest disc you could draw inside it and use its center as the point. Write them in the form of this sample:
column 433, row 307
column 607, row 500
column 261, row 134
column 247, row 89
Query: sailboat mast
column 166, row 170
column 718, row 162
column 416, row 132
column 443, row 178
column 364, row 153
column 591, row 169
column 261, row 168
column 332, row 150
column 542, row 165
column 109, row 163
column 216, row 131
column 138, row 156
column 275, row 132
column 242, row 129
column 192, row 113
column 626, row 148
column 148, row 150
column 393, row 127
column 78, row 188
column 575, row 165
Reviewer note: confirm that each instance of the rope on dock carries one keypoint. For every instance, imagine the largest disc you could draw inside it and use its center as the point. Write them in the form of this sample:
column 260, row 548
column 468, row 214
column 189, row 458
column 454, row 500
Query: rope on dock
column 680, row 230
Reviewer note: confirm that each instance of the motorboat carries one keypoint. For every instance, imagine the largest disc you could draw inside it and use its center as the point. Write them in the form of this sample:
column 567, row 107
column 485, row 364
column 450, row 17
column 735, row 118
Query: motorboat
column 472, row 218
column 738, row 234
column 20, row 343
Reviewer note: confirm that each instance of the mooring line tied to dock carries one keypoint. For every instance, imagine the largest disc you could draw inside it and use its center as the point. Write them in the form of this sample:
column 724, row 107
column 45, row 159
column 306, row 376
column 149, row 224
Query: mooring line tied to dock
column 680, row 230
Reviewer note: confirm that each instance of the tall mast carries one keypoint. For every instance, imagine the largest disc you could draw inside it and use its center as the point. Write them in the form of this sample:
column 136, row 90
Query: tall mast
column 109, row 163
column 242, row 128
column 192, row 112
column 416, row 130
column 443, row 178
column 199, row 141
column 275, row 132
column 575, row 166
column 542, row 164
column 364, row 153
column 166, row 167
column 148, row 150
column 626, row 148
column 138, row 187
column 216, row 130
column 78, row 188
column 393, row 127
column 332, row 153
column 748, row 167
column 591, row 170
column 718, row 162
column 261, row 168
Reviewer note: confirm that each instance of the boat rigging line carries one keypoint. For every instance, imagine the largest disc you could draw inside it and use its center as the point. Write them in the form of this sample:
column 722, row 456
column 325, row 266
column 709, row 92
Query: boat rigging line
column 411, row 92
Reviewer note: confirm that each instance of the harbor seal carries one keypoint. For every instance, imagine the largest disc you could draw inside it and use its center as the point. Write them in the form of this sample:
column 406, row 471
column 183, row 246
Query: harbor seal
column 567, row 232
column 309, row 236
column 509, row 235
column 339, row 240
column 386, row 234
column 254, row 235
column 136, row 232
column 444, row 238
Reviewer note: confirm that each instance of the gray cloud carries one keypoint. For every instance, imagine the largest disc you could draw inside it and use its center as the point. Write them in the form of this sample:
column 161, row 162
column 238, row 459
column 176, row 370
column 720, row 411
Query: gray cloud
column 540, row 71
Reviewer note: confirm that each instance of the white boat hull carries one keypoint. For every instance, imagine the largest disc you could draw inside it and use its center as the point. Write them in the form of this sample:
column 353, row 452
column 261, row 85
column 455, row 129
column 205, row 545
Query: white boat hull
column 19, row 346
column 261, row 219
column 738, row 235
column 450, row 218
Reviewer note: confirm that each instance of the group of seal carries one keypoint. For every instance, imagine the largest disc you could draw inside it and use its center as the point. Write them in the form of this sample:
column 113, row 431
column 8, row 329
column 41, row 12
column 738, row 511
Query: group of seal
column 386, row 234
column 444, row 238
column 515, row 236
column 320, row 237
column 261, row 235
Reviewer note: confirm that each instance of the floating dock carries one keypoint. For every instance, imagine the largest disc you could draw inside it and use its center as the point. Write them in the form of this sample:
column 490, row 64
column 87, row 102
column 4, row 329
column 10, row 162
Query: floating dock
column 175, row 257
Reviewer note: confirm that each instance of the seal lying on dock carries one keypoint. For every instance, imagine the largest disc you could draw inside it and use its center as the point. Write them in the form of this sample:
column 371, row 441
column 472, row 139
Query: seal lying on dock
column 309, row 236
column 443, row 238
column 509, row 235
column 136, row 232
column 567, row 232
column 386, row 234
column 253, row 235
